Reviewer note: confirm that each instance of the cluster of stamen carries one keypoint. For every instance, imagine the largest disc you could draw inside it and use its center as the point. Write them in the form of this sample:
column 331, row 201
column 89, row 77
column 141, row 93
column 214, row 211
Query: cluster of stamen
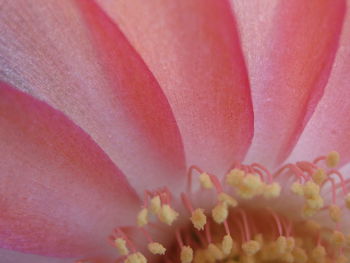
column 235, row 229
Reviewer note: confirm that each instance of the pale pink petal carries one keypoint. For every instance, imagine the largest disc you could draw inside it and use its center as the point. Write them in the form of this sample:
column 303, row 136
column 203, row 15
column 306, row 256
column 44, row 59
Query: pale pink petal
column 59, row 193
column 192, row 48
column 9, row 256
column 329, row 127
column 69, row 54
column 254, row 21
column 289, row 68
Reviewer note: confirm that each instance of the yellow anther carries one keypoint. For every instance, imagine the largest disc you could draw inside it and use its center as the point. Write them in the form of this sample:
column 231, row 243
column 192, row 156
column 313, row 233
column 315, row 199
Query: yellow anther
column 315, row 202
column 235, row 177
column 272, row 190
column 332, row 159
column 311, row 189
column 308, row 211
column 142, row 217
column 220, row 212
column 251, row 247
column 120, row 244
column 205, row 181
column 136, row 258
column 156, row 248
column 297, row 188
column 215, row 252
column 290, row 244
column 318, row 253
column 156, row 205
column 281, row 244
column 200, row 256
column 319, row 176
column 251, row 186
column 252, row 181
column 259, row 238
column 198, row 219
column 229, row 200
column 227, row 244
column 335, row 213
column 338, row 239
column 186, row 254
column 167, row 215
column 300, row 255
column 347, row 201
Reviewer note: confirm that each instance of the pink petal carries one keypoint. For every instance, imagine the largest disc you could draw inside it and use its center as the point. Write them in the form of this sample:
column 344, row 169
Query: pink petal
column 69, row 54
column 192, row 48
column 8, row 256
column 289, row 70
column 329, row 127
column 60, row 194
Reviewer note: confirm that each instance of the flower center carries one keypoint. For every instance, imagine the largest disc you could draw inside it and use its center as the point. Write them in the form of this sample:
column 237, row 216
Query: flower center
column 254, row 216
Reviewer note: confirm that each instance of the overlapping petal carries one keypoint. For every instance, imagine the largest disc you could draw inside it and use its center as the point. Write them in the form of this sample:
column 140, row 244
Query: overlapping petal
column 59, row 192
column 329, row 127
column 192, row 47
column 69, row 54
column 289, row 68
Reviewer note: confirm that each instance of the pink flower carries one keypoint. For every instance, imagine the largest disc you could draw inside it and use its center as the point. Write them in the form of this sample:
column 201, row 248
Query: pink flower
column 103, row 100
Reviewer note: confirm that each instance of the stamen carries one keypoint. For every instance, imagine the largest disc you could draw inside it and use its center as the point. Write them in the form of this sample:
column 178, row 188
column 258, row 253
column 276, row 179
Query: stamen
column 142, row 217
column 338, row 239
column 342, row 180
column 215, row 252
column 237, row 229
column 229, row 200
column 153, row 247
column 121, row 233
column 227, row 244
column 319, row 254
column 207, row 233
column 251, row 247
column 319, row 176
column 156, row 205
column 245, row 224
column 332, row 159
column 121, row 246
column 156, row 248
column 278, row 223
column 335, row 213
column 235, row 177
column 136, row 258
column 198, row 219
column 167, row 215
column 205, row 181
column 269, row 175
column 186, row 254
column 272, row 191
column 189, row 176
column 220, row 212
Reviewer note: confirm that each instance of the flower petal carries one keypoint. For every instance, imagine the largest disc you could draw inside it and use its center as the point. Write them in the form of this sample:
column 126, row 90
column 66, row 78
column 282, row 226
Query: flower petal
column 9, row 256
column 192, row 48
column 69, row 54
column 60, row 194
column 290, row 70
column 329, row 127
